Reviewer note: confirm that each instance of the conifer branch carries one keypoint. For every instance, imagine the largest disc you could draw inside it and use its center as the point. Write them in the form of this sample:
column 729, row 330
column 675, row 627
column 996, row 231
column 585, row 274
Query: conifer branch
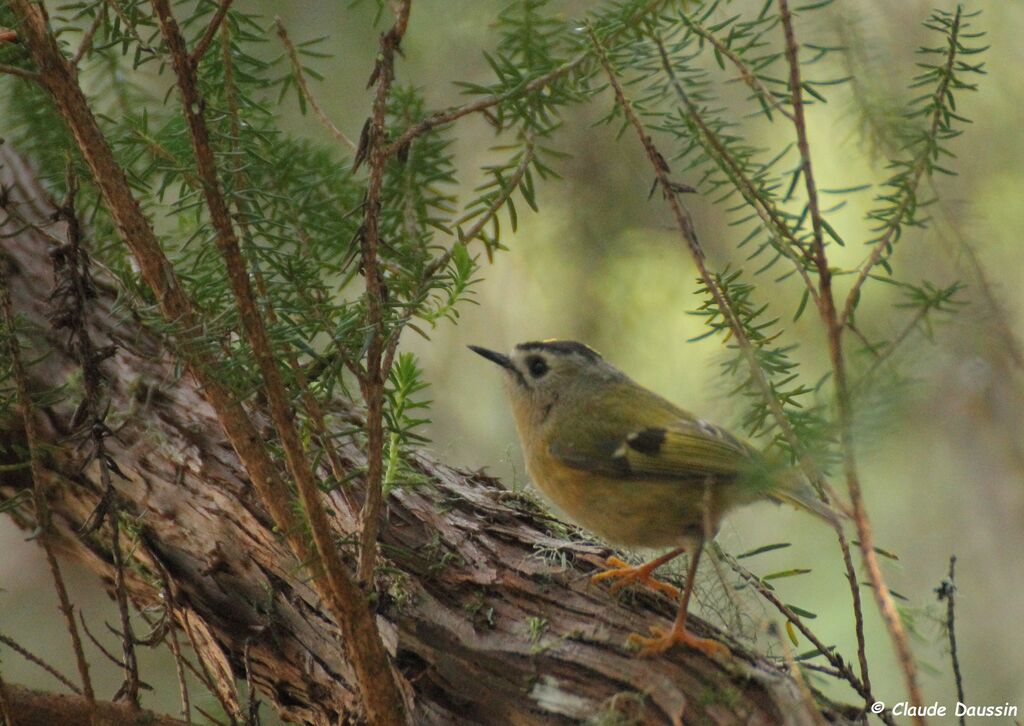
column 689, row 235
column 300, row 80
column 210, row 33
column 747, row 74
column 357, row 624
column 840, row 665
column 765, row 209
column 918, row 166
column 375, row 374
column 376, row 682
column 441, row 118
column 834, row 329
column 526, row 88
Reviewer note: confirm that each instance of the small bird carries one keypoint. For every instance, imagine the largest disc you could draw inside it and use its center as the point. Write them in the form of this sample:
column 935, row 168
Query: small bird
column 632, row 467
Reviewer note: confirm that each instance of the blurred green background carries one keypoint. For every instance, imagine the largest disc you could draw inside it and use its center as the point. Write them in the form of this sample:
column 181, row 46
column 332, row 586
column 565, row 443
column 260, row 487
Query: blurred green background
column 942, row 461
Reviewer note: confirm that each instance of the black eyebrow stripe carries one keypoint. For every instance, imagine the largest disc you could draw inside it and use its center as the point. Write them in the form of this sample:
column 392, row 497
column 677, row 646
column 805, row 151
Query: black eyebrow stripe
column 561, row 347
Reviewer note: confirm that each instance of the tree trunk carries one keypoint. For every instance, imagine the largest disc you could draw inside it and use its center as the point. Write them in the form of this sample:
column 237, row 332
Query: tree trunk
column 485, row 610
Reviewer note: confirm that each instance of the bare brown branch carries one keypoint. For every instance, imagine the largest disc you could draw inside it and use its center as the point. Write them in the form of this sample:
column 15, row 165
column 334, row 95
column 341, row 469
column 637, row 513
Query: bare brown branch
column 300, row 80
column 41, row 482
column 33, row 658
column 375, row 375
column 210, row 33
column 834, row 323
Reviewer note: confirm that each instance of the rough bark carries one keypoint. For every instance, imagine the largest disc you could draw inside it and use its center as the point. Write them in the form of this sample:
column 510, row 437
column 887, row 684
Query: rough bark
column 483, row 627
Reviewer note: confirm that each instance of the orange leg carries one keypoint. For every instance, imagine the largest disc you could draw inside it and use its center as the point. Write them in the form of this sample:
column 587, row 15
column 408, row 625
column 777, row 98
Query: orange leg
column 626, row 574
column 663, row 640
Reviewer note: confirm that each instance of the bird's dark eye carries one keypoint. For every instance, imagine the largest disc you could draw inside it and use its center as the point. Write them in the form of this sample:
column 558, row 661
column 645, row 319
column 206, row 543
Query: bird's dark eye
column 537, row 366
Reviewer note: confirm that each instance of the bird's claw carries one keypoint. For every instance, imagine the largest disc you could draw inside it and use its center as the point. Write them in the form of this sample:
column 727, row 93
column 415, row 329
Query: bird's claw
column 664, row 639
column 625, row 574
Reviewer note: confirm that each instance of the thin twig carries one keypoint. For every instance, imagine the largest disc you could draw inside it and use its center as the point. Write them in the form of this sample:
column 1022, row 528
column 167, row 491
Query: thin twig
column 885, row 353
column 98, row 645
column 33, row 658
column 834, row 327
column 86, row 45
column 372, row 381
column 947, row 591
column 129, row 661
column 858, row 607
column 836, row 661
column 19, row 72
column 40, row 481
column 300, row 80
column 919, row 165
column 213, row 719
column 748, row 75
column 171, row 636
column 803, row 146
column 210, row 33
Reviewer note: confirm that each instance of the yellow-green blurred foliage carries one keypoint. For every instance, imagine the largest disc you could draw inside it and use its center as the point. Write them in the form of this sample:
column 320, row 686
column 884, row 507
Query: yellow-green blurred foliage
column 942, row 463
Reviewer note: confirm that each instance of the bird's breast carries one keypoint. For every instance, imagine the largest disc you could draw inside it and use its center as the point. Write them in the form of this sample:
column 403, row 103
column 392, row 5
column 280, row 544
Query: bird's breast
column 648, row 513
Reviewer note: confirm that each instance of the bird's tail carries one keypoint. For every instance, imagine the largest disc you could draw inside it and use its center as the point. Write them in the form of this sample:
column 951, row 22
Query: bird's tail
column 802, row 496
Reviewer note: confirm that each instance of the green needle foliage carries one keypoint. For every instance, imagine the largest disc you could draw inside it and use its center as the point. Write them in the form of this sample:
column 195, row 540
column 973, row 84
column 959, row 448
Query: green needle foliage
column 300, row 207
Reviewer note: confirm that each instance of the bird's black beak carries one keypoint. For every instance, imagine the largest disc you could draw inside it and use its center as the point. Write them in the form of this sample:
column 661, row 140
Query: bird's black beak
column 502, row 360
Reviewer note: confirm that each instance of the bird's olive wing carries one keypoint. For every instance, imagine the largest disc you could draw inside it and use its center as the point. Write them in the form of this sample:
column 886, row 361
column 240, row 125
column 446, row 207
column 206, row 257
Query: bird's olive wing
column 664, row 444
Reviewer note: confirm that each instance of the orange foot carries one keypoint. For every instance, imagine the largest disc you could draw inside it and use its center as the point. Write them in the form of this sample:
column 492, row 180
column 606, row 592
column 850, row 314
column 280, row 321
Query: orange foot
column 665, row 639
column 626, row 574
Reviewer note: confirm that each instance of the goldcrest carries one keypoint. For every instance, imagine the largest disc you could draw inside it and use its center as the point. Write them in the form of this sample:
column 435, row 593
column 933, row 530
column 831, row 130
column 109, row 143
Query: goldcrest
column 632, row 467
